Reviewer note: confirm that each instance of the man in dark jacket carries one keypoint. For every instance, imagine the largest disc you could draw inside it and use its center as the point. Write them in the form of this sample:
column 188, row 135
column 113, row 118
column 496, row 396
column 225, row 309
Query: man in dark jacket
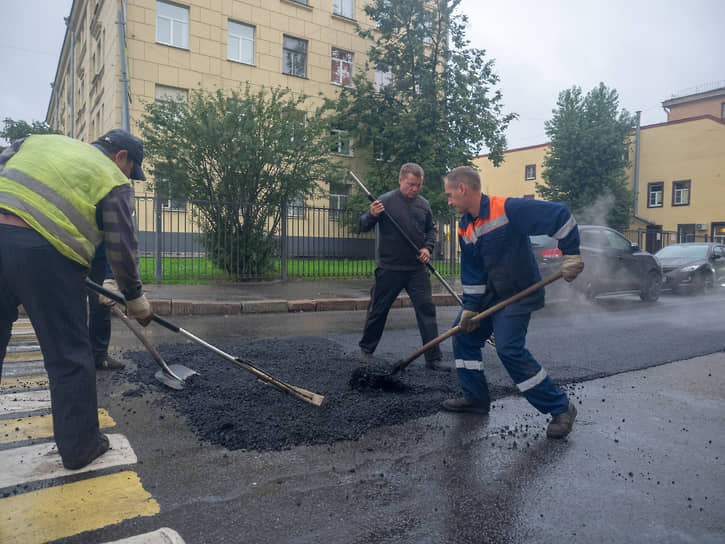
column 398, row 266
column 496, row 263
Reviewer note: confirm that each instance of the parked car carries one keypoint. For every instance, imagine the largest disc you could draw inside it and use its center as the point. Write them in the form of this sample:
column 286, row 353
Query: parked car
column 694, row 266
column 612, row 264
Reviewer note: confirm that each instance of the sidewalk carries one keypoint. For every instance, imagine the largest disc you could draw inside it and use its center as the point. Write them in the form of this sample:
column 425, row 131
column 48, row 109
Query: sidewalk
column 277, row 297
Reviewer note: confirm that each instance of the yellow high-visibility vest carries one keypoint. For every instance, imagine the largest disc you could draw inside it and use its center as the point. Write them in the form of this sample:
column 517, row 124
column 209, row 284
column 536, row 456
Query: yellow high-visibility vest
column 54, row 183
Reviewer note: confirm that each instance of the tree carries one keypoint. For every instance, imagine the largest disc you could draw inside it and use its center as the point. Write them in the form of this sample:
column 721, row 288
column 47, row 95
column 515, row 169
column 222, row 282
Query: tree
column 15, row 130
column 240, row 157
column 585, row 165
column 432, row 102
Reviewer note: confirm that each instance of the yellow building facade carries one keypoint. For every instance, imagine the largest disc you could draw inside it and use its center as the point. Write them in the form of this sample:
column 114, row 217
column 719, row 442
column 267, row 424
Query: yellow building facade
column 681, row 182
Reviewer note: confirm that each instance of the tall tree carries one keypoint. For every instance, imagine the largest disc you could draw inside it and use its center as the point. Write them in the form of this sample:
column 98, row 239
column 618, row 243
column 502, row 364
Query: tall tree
column 240, row 157
column 433, row 100
column 15, row 130
column 586, row 161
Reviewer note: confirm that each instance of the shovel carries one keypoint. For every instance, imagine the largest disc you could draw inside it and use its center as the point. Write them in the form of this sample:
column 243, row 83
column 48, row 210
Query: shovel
column 298, row 392
column 363, row 378
column 171, row 376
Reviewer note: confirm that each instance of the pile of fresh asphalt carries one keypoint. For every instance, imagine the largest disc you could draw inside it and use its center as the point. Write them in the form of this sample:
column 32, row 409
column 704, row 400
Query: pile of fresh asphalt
column 227, row 405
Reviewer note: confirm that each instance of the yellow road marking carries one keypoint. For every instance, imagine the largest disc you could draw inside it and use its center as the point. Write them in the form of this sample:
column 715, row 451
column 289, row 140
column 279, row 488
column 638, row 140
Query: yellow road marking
column 34, row 355
column 29, row 428
column 24, row 382
column 66, row 510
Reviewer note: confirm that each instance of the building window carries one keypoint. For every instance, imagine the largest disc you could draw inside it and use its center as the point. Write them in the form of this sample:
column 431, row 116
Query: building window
column 172, row 25
column 339, row 195
column 655, row 191
column 681, row 193
column 346, row 8
column 294, row 57
column 341, row 143
column 530, row 172
column 341, row 68
column 383, row 78
column 170, row 93
column 296, row 206
column 240, row 42
column 529, row 196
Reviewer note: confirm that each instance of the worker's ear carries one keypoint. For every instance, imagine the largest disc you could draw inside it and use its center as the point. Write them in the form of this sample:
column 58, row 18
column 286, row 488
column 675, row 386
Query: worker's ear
column 120, row 156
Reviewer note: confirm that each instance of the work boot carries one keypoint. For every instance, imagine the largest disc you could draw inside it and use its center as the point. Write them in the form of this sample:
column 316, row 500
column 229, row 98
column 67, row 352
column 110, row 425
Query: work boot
column 109, row 363
column 437, row 364
column 100, row 448
column 561, row 424
column 462, row 405
column 365, row 356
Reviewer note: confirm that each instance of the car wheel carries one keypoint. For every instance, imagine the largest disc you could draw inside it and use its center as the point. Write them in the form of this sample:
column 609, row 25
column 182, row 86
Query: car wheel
column 651, row 288
column 708, row 282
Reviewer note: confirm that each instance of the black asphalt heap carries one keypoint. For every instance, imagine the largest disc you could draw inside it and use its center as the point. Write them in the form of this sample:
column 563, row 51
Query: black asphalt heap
column 227, row 406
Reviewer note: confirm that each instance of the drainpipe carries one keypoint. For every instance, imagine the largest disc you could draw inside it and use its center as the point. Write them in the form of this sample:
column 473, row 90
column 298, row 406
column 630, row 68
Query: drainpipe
column 71, row 79
column 124, row 76
column 636, row 173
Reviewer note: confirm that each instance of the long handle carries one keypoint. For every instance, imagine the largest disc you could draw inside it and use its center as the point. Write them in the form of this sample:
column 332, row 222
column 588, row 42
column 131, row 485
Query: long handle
column 400, row 365
column 298, row 392
column 407, row 238
column 148, row 345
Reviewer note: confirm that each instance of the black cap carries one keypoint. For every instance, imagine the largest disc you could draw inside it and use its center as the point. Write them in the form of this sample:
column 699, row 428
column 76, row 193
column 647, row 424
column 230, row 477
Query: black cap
column 118, row 139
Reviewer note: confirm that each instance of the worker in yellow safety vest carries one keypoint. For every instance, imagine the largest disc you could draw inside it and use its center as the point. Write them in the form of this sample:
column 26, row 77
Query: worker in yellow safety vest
column 60, row 199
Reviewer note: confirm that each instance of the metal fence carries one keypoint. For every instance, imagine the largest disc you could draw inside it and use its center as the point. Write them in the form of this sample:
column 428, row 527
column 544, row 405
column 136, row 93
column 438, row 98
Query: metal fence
column 653, row 240
column 308, row 243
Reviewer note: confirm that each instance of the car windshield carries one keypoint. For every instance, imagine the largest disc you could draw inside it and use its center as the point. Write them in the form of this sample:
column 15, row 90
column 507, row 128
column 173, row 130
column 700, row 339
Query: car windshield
column 698, row 251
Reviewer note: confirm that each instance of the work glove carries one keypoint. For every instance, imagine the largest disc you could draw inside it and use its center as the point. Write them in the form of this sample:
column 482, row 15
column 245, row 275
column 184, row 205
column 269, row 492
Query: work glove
column 109, row 285
column 571, row 266
column 140, row 309
column 466, row 324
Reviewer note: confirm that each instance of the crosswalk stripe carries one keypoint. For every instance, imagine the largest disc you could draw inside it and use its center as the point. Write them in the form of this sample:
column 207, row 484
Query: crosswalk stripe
column 26, row 368
column 165, row 535
column 12, row 383
column 66, row 510
column 24, row 401
column 42, row 462
column 31, row 428
column 27, row 355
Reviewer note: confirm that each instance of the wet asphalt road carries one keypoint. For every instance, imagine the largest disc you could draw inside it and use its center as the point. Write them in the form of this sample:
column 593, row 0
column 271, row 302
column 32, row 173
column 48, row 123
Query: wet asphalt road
column 621, row 477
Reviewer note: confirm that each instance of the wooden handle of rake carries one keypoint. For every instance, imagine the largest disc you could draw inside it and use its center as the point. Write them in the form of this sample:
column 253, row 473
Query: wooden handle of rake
column 400, row 365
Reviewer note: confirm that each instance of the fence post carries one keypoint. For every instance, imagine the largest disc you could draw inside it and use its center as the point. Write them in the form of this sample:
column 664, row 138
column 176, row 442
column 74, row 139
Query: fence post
column 283, row 242
column 157, row 236
column 453, row 240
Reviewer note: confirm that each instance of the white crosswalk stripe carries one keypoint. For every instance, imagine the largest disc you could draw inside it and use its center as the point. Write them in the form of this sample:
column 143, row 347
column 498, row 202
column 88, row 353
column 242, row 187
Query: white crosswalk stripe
column 30, row 455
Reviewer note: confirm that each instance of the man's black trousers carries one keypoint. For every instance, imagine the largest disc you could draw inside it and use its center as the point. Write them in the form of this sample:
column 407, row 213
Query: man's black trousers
column 388, row 285
column 51, row 289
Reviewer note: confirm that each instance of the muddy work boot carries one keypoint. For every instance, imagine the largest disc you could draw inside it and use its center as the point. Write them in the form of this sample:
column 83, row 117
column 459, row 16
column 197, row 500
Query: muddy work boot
column 561, row 424
column 109, row 363
column 99, row 448
column 462, row 405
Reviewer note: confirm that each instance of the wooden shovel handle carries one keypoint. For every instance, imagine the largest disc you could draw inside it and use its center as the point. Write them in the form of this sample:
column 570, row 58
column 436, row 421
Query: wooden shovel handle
column 493, row 309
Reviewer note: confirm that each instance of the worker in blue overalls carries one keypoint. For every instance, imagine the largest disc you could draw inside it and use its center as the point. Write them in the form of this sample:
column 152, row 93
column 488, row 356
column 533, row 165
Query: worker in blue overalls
column 496, row 263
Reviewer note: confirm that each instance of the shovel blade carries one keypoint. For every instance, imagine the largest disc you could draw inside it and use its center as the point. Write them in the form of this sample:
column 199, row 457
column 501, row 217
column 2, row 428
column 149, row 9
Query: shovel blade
column 170, row 381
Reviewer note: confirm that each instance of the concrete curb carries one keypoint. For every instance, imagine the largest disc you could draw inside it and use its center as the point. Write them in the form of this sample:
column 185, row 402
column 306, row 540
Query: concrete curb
column 196, row 307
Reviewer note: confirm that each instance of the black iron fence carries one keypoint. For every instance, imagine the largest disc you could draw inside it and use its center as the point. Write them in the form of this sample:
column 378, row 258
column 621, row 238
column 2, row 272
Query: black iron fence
column 653, row 240
column 308, row 242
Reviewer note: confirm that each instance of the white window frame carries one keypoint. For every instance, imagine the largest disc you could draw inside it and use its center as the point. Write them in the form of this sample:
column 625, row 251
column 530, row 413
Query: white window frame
column 681, row 192
column 289, row 56
column 296, row 207
column 530, row 172
column 382, row 79
column 344, row 8
column 177, row 19
column 655, row 194
column 242, row 44
column 341, row 60
column 343, row 145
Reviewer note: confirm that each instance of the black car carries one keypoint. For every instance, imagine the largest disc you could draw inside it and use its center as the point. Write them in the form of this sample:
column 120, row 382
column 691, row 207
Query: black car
column 694, row 266
column 612, row 264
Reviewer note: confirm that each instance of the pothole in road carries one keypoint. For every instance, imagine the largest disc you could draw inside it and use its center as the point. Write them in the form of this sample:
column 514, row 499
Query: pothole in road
column 227, row 405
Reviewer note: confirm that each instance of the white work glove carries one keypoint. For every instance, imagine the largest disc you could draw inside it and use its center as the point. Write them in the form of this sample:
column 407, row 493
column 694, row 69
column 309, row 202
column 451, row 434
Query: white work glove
column 140, row 309
column 571, row 266
column 112, row 286
column 466, row 324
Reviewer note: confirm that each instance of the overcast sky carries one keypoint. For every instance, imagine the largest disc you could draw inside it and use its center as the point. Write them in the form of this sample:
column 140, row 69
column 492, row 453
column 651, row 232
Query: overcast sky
column 647, row 50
